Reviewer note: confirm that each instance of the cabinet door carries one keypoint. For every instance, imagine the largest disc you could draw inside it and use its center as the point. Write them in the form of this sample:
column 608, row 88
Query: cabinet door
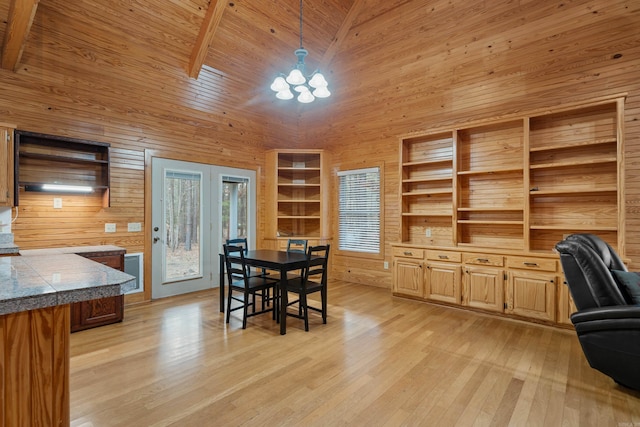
column 484, row 288
column 6, row 166
column 101, row 311
column 566, row 307
column 408, row 278
column 96, row 312
column 443, row 283
column 531, row 295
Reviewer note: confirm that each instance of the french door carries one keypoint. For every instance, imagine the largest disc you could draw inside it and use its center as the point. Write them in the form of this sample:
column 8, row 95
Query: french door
column 195, row 208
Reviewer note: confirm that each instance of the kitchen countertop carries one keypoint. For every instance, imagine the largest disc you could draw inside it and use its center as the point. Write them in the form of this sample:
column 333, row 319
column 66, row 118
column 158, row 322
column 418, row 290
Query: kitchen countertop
column 32, row 282
column 70, row 250
column 8, row 249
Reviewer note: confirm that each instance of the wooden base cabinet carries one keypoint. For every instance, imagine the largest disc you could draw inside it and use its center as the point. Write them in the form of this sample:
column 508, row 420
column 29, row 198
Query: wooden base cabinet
column 102, row 311
column 408, row 272
column 484, row 288
column 526, row 287
column 566, row 307
column 532, row 288
column 443, row 280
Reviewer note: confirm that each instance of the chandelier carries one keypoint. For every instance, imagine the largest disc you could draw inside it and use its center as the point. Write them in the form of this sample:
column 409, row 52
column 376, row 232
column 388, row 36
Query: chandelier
column 308, row 88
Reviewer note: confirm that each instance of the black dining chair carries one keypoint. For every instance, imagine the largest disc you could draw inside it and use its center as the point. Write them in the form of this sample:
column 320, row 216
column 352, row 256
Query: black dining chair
column 249, row 287
column 313, row 279
column 242, row 242
column 296, row 246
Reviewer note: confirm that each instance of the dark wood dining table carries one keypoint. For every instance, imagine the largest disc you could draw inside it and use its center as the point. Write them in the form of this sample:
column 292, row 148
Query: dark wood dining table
column 281, row 261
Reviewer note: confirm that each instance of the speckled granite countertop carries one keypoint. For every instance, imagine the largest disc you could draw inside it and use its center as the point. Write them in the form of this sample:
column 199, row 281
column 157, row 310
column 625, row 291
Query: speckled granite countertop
column 32, row 282
column 7, row 247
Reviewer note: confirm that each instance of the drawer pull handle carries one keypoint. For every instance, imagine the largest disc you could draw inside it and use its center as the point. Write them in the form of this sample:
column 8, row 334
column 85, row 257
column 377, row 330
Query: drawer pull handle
column 482, row 260
column 443, row 257
column 531, row 264
column 407, row 253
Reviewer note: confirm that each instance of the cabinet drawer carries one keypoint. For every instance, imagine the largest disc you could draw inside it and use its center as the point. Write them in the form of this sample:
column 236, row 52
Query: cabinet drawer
column 541, row 264
column 484, row 259
column 444, row 256
column 408, row 253
column 113, row 261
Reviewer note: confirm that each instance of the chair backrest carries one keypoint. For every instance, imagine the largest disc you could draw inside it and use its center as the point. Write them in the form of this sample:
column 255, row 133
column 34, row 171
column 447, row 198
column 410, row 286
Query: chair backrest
column 590, row 281
column 234, row 262
column 608, row 255
column 317, row 261
column 297, row 245
column 240, row 241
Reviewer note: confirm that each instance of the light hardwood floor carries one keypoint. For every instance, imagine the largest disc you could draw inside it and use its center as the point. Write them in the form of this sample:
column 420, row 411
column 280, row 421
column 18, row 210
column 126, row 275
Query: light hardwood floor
column 380, row 361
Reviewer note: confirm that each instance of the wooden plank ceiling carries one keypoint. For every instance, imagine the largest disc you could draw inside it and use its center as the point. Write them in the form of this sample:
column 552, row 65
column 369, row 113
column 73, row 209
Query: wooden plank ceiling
column 247, row 42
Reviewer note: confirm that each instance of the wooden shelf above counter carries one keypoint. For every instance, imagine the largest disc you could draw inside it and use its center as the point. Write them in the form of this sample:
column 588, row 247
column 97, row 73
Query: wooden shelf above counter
column 42, row 159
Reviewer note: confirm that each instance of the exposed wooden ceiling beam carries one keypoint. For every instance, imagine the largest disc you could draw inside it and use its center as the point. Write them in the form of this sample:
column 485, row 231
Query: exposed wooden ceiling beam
column 341, row 34
column 21, row 14
column 205, row 37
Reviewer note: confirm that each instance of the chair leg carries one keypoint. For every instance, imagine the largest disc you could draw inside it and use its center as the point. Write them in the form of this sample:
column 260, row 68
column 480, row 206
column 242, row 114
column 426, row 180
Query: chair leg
column 276, row 303
column 245, row 309
column 303, row 304
column 229, row 303
column 323, row 296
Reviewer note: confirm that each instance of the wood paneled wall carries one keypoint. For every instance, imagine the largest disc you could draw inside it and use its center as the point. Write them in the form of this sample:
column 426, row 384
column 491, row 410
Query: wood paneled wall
column 403, row 67
column 430, row 64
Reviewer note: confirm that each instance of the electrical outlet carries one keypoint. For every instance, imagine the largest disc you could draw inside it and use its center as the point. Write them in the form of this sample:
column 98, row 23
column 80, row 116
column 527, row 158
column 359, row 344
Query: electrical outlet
column 109, row 228
column 57, row 203
column 134, row 226
column 427, row 232
column 386, row 265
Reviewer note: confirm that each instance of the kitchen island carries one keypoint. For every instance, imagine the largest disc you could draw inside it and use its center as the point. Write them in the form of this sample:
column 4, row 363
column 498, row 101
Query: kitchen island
column 35, row 294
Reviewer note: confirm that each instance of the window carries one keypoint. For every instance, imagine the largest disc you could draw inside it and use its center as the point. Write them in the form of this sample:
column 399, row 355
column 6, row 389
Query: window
column 234, row 207
column 359, row 210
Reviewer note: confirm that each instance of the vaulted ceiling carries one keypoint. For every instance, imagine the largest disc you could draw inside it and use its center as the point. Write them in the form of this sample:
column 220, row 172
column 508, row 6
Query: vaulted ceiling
column 243, row 43
column 393, row 66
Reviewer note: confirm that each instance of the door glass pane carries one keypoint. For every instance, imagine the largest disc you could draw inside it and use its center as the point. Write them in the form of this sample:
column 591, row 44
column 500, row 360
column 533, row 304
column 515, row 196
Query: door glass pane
column 183, row 217
column 234, row 208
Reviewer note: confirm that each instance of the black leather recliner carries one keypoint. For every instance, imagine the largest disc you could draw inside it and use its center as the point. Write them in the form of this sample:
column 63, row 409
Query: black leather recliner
column 607, row 322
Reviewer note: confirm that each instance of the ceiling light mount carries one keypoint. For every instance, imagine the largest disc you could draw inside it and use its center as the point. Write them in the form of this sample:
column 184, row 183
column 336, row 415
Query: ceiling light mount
column 308, row 88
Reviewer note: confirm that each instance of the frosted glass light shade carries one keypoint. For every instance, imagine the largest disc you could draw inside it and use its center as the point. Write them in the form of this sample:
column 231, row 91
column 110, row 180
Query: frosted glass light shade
column 317, row 81
column 284, row 94
column 295, row 77
column 322, row 92
column 305, row 97
column 279, row 84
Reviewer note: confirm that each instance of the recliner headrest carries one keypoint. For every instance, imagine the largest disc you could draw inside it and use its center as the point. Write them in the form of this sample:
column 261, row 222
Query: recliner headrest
column 602, row 248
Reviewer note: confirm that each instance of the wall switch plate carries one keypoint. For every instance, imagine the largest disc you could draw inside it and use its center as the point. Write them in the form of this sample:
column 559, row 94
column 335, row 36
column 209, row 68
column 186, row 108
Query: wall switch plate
column 109, row 228
column 57, row 203
column 134, row 226
column 386, row 265
column 427, row 232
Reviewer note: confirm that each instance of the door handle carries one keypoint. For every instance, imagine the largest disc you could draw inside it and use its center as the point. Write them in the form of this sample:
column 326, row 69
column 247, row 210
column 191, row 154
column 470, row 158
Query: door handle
column 155, row 239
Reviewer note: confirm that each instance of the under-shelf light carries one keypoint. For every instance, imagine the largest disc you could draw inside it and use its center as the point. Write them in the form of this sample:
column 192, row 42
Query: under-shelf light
column 67, row 188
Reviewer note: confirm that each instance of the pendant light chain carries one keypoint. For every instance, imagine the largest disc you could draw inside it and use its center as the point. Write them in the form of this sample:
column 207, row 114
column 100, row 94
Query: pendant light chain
column 300, row 24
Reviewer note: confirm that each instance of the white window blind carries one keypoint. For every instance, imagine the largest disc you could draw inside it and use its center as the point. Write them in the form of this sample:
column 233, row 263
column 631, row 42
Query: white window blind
column 359, row 210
